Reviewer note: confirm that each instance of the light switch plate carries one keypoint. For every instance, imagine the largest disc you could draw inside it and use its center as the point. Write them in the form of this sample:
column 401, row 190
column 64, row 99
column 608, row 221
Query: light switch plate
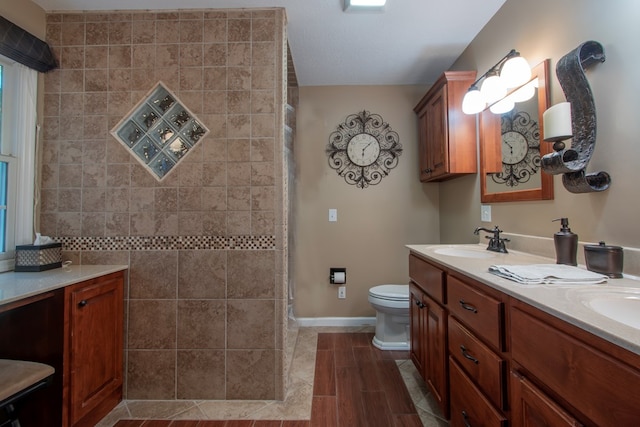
column 333, row 215
column 485, row 213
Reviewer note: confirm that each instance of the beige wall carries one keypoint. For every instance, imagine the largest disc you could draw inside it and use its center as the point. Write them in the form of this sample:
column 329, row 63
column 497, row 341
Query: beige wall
column 550, row 29
column 373, row 223
column 25, row 14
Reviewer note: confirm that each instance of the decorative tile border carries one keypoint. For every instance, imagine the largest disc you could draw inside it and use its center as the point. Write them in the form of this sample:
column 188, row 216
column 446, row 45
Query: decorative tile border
column 157, row 243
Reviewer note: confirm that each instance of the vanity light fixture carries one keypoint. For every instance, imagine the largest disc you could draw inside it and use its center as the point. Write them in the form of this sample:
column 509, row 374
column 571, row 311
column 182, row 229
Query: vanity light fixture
column 364, row 5
column 501, row 86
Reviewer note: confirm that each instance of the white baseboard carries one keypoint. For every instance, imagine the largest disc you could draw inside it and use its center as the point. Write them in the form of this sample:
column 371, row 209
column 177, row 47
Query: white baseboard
column 335, row 321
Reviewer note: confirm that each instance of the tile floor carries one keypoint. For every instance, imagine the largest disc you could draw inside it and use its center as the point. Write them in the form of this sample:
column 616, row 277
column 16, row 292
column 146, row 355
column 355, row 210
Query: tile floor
column 294, row 411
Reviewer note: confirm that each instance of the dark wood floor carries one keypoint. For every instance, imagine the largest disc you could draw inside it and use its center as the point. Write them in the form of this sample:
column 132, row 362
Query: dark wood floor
column 355, row 385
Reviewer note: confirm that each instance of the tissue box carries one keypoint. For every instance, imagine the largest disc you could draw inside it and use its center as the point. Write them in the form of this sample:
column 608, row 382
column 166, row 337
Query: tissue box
column 38, row 258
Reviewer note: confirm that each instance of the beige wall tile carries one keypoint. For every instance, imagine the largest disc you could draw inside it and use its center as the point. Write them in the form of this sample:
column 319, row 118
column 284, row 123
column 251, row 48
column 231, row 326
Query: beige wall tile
column 152, row 324
column 201, row 374
column 202, row 274
column 153, row 274
column 151, row 374
column 201, row 324
column 250, row 324
column 251, row 274
column 244, row 378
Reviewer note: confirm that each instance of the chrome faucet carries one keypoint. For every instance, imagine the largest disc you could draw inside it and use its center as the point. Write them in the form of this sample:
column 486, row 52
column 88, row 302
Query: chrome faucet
column 496, row 243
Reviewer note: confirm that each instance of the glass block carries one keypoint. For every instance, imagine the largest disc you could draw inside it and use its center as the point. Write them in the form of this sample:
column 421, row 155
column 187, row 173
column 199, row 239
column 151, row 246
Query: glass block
column 146, row 117
column 130, row 133
column 162, row 164
column 146, row 150
column 178, row 116
column 163, row 133
column 160, row 131
column 161, row 100
column 177, row 148
column 192, row 132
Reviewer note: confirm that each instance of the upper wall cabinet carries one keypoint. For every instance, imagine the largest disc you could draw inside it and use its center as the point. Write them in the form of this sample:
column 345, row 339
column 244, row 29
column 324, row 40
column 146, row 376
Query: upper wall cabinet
column 447, row 135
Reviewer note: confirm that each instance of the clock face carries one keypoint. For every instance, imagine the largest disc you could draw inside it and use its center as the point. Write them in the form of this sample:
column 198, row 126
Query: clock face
column 363, row 149
column 514, row 147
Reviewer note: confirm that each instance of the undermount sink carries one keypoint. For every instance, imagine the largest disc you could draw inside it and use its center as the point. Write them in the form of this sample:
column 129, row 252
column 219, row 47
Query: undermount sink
column 620, row 305
column 464, row 252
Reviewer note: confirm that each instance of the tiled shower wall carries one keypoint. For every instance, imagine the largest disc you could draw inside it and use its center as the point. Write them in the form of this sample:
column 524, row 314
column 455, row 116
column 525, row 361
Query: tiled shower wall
column 205, row 304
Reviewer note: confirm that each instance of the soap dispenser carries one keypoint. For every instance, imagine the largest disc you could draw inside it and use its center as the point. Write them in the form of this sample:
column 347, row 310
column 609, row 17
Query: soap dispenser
column 566, row 244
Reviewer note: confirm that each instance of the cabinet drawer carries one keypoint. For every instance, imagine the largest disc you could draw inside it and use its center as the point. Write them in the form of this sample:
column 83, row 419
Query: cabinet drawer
column 469, row 407
column 481, row 364
column 428, row 277
column 481, row 313
column 604, row 389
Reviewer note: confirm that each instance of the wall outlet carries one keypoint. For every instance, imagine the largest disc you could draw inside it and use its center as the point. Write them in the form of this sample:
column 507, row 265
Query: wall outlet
column 485, row 213
column 342, row 292
column 333, row 215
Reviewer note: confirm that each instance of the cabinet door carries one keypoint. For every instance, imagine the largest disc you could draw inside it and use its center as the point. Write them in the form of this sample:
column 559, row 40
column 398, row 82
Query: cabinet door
column 436, row 353
column 95, row 343
column 416, row 328
column 437, row 134
column 532, row 408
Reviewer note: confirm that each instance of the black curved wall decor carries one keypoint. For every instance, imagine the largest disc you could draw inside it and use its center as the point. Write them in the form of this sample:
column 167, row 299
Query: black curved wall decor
column 572, row 162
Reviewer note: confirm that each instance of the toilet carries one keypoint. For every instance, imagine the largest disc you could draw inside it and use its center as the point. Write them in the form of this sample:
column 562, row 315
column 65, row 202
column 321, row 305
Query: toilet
column 391, row 303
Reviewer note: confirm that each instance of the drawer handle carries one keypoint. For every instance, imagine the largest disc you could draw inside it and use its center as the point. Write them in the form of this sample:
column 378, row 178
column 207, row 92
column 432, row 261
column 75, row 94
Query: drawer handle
column 82, row 303
column 466, row 354
column 468, row 306
column 465, row 419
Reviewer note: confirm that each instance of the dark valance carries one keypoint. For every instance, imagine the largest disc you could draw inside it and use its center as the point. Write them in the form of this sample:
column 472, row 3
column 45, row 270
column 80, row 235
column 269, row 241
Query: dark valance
column 25, row 48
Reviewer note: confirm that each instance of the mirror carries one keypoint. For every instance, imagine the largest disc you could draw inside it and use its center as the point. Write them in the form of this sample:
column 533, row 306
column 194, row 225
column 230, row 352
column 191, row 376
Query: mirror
column 511, row 147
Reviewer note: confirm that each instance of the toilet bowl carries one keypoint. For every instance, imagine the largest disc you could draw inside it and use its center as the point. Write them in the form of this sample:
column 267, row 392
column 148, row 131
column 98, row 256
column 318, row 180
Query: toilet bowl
column 391, row 303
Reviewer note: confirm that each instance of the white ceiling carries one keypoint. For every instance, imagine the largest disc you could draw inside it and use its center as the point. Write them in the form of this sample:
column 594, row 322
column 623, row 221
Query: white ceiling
column 411, row 42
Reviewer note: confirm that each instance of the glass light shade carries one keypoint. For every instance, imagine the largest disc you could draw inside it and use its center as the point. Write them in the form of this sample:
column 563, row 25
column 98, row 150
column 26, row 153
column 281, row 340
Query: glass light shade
column 492, row 89
column 557, row 122
column 505, row 105
column 472, row 103
column 524, row 93
column 515, row 72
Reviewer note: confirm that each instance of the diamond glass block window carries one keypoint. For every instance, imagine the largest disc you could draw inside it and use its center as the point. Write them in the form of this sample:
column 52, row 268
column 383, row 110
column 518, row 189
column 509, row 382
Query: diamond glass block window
column 159, row 131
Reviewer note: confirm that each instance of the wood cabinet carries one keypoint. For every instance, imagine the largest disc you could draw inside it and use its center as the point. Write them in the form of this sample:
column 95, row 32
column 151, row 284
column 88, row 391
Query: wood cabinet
column 428, row 329
column 94, row 310
column 447, row 135
column 78, row 330
column 589, row 379
column 532, row 408
column 508, row 363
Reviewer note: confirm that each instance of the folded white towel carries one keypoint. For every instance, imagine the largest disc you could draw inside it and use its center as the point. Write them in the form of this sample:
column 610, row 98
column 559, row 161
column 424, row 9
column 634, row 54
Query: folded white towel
column 538, row 274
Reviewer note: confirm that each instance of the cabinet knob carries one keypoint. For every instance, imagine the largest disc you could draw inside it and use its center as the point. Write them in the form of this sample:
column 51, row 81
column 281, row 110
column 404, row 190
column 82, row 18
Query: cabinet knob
column 468, row 306
column 427, row 170
column 82, row 303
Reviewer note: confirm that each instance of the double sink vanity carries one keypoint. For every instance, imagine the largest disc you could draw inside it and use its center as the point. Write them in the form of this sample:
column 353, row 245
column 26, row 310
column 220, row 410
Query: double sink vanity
column 495, row 352
column 70, row 318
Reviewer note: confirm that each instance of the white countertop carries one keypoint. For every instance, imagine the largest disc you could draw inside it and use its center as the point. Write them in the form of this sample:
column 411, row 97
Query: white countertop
column 562, row 301
column 16, row 286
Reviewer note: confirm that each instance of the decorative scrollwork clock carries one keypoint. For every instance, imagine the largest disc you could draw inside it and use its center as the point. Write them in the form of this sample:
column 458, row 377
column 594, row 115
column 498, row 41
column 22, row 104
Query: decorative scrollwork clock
column 363, row 149
column 520, row 149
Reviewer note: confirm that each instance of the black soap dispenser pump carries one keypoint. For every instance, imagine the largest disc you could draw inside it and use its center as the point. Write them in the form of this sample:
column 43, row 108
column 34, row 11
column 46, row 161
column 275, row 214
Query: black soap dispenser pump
column 566, row 244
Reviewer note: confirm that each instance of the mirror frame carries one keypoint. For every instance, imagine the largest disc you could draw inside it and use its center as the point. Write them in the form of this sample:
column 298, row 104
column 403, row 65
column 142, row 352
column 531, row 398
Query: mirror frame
column 491, row 147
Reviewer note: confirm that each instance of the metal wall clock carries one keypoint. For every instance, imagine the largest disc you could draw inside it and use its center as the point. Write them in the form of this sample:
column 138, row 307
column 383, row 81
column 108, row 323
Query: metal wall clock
column 363, row 149
column 520, row 149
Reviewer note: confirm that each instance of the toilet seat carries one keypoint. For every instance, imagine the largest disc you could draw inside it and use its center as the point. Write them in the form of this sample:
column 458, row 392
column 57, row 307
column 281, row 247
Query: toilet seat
column 390, row 292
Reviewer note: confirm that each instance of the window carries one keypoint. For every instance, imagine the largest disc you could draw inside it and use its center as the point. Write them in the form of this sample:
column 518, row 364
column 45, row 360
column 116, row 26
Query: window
column 18, row 94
